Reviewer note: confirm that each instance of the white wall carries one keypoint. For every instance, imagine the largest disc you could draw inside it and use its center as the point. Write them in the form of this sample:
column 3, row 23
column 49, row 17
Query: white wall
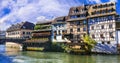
column 118, row 37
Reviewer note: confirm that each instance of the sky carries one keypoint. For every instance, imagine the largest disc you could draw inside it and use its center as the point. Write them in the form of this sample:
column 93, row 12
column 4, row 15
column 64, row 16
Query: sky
column 16, row 11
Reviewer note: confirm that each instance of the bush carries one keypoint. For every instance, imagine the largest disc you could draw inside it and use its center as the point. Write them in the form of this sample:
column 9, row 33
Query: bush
column 90, row 43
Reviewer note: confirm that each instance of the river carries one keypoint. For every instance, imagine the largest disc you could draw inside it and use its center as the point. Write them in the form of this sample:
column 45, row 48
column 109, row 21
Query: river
column 53, row 57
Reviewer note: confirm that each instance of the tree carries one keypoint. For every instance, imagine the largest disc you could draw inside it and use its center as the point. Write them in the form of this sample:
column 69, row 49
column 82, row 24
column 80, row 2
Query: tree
column 90, row 43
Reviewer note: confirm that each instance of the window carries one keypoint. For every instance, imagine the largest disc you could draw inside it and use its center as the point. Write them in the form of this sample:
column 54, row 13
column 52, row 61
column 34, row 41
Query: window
column 103, row 42
column 101, row 35
column 84, row 35
column 78, row 16
column 102, row 26
column 92, row 27
column 28, row 33
column 103, row 11
column 71, row 30
column 55, row 32
column 59, row 20
column 110, row 25
column 93, row 36
column 84, row 29
column 17, row 32
column 71, row 23
column 78, row 29
column 111, row 34
column 78, row 22
column 24, row 27
column 78, row 36
column 109, row 11
column 54, row 37
column 63, row 37
column 59, row 32
column 111, row 4
column 84, row 22
column 23, row 32
column 76, row 10
column 110, row 17
column 108, row 42
column 73, row 16
column 97, row 12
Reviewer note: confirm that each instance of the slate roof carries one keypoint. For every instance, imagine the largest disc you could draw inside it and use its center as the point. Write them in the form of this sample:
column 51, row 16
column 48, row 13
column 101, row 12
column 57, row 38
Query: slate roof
column 22, row 25
column 61, row 19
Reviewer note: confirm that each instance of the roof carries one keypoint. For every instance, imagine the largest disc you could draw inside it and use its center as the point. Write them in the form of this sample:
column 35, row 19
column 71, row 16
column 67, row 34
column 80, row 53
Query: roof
column 22, row 25
column 60, row 19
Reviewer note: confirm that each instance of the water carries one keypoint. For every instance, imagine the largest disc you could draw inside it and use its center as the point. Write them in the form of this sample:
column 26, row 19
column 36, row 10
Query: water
column 55, row 57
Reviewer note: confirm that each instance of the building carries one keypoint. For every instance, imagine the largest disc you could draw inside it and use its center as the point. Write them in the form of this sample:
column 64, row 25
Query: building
column 77, row 23
column 43, row 31
column 59, row 28
column 2, row 37
column 2, row 34
column 102, row 26
column 20, row 30
column 99, row 21
column 41, row 37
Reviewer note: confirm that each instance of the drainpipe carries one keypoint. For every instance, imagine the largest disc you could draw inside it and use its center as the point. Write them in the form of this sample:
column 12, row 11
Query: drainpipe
column 117, row 41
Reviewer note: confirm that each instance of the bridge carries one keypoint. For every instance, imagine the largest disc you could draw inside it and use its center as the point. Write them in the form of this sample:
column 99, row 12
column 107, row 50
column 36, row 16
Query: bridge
column 13, row 42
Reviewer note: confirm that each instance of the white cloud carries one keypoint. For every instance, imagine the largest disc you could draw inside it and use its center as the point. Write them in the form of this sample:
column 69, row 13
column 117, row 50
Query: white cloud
column 96, row 1
column 113, row 0
column 41, row 18
column 32, row 10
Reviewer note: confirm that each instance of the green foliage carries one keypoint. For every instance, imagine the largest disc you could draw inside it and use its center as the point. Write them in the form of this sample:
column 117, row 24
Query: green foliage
column 90, row 42
column 56, row 47
column 66, row 48
column 37, row 27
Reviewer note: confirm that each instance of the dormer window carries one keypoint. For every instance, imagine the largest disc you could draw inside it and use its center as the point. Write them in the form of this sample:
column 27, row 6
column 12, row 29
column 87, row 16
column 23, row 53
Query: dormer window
column 24, row 27
column 76, row 10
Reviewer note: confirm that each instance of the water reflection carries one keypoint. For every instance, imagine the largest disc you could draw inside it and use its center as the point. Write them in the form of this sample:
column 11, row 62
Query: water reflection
column 14, row 56
column 51, row 57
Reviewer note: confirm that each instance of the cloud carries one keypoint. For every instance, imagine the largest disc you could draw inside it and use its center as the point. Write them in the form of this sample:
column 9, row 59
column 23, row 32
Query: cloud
column 113, row 0
column 95, row 1
column 32, row 10
column 35, row 10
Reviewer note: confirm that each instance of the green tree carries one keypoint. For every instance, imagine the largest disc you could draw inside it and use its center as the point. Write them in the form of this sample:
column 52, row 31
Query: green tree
column 90, row 43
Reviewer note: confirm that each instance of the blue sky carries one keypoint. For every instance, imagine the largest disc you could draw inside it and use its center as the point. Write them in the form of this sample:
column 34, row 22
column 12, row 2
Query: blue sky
column 15, row 11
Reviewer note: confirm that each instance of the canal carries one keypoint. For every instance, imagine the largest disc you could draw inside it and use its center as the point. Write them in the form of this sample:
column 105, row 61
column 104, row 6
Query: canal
column 53, row 57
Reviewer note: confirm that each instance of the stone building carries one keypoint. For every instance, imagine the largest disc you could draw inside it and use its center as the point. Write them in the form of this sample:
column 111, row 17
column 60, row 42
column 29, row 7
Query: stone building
column 20, row 30
column 77, row 23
